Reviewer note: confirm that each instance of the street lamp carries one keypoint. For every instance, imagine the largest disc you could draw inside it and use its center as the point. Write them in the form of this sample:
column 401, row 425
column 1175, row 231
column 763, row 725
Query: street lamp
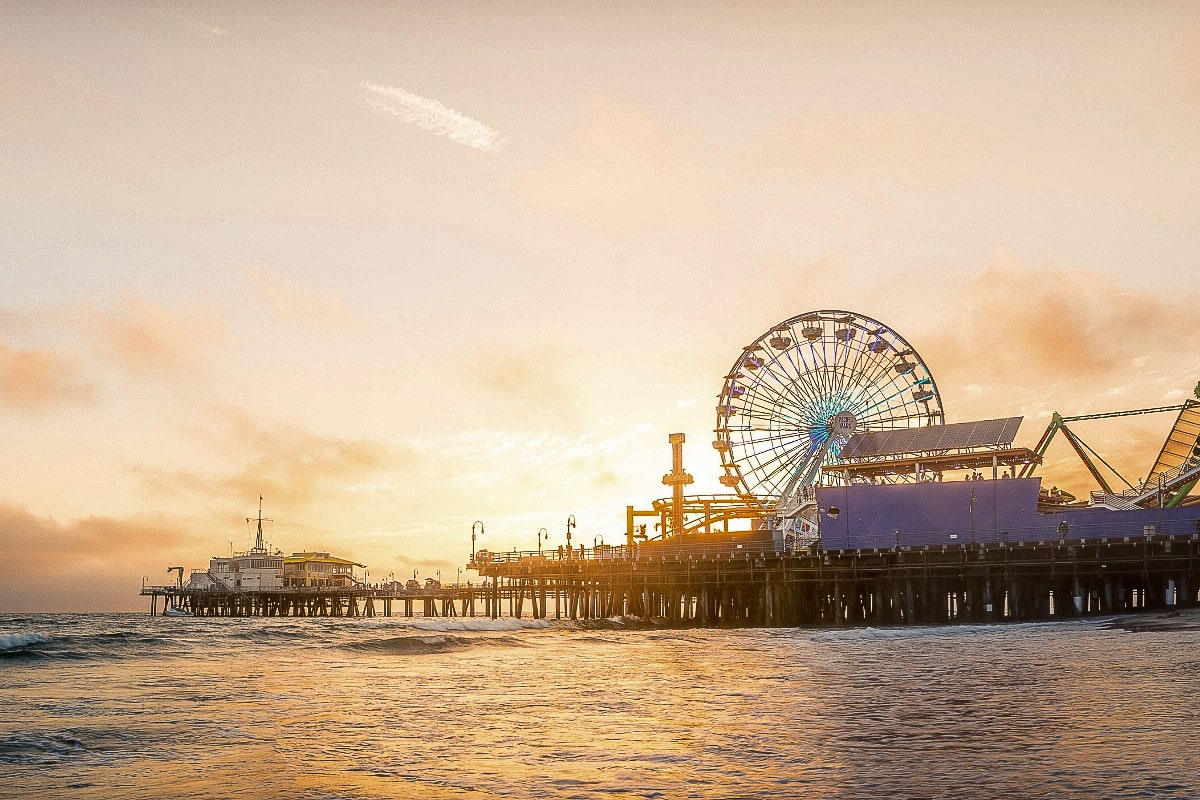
column 475, row 524
column 570, row 526
column 597, row 539
column 542, row 536
column 972, row 512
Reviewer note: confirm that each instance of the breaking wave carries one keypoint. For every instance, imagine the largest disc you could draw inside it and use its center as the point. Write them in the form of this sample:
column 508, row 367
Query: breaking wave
column 16, row 644
column 426, row 645
column 109, row 644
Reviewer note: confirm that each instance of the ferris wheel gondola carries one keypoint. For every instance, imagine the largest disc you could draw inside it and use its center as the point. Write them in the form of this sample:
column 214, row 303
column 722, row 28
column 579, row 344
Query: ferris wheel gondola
column 798, row 392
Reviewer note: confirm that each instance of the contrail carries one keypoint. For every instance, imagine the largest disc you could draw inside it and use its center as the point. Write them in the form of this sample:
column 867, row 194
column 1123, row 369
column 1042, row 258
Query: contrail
column 432, row 116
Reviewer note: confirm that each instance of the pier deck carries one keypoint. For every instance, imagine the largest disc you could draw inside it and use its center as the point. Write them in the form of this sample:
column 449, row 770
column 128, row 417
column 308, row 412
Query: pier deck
column 712, row 585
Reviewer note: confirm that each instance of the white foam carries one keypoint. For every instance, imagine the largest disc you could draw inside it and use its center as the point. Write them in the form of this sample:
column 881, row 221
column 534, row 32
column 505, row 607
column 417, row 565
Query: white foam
column 11, row 641
column 451, row 625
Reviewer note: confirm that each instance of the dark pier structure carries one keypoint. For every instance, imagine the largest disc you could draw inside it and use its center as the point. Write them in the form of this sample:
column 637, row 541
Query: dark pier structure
column 314, row 602
column 743, row 584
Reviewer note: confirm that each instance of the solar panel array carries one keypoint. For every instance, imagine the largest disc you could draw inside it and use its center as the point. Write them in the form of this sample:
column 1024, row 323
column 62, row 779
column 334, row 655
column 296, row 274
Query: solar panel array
column 957, row 436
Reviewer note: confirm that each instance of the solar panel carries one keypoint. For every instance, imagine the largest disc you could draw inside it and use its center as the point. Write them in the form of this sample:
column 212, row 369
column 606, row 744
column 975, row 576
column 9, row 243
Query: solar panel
column 956, row 436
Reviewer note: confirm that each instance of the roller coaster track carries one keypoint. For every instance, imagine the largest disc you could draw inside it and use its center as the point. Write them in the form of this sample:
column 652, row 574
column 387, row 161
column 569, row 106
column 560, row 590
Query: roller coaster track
column 1167, row 489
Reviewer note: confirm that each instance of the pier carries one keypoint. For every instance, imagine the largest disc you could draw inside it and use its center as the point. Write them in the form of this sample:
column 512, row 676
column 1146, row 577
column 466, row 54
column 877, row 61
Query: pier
column 703, row 585
column 693, row 584
column 314, row 602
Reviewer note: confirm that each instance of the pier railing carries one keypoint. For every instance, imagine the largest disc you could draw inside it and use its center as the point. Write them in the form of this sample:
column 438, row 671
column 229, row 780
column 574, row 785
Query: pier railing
column 861, row 539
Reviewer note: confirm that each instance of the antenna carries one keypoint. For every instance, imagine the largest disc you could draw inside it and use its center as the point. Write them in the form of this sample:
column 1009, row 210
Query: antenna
column 258, row 540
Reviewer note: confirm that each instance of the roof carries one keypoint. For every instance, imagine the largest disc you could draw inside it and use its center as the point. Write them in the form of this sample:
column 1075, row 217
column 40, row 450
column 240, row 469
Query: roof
column 997, row 433
column 319, row 558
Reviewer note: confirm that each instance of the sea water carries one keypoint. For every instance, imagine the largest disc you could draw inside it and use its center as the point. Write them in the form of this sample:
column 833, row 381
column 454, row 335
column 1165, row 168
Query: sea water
column 133, row 706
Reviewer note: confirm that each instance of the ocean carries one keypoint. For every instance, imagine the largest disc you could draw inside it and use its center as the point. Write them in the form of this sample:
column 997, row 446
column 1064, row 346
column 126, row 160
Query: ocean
column 133, row 706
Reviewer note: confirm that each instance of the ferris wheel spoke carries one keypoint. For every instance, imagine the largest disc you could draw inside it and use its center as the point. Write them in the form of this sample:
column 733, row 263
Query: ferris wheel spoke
column 789, row 385
column 772, row 473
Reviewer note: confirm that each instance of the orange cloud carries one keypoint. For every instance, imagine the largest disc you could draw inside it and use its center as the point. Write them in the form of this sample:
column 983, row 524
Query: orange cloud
column 315, row 309
column 93, row 564
column 33, row 380
column 143, row 338
column 292, row 466
column 1049, row 327
column 527, row 385
column 1015, row 340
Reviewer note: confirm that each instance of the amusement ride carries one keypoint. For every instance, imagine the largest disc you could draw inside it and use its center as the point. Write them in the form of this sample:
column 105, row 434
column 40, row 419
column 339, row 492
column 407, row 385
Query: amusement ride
column 835, row 397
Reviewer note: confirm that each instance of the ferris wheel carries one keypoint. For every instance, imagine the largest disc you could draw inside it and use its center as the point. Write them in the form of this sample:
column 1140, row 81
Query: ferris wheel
column 799, row 391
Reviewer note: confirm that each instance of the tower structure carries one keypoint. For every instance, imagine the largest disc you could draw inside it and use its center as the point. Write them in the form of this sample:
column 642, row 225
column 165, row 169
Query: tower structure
column 677, row 478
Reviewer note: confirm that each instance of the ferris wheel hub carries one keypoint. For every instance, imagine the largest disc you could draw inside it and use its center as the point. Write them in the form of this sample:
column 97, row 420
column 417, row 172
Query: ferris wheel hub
column 843, row 423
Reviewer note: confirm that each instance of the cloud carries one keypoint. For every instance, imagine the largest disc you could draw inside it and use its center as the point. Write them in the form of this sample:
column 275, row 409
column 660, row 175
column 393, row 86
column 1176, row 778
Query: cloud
column 92, row 564
column 191, row 23
column 292, row 466
column 198, row 25
column 1055, row 327
column 1017, row 340
column 529, row 384
column 34, row 380
column 431, row 115
column 143, row 338
column 318, row 310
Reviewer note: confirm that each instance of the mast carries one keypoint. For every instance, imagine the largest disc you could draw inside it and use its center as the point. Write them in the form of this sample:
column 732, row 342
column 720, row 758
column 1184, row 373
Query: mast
column 259, row 547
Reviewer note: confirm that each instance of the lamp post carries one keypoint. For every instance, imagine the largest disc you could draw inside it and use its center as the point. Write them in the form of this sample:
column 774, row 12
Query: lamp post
column 570, row 527
column 458, row 580
column 542, row 536
column 475, row 524
column 972, row 515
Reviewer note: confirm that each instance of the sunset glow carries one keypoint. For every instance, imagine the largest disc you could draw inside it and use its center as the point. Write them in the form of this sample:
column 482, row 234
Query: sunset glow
column 397, row 268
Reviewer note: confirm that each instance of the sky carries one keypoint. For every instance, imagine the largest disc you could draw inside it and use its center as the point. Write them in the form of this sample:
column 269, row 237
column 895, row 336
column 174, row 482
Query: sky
column 398, row 267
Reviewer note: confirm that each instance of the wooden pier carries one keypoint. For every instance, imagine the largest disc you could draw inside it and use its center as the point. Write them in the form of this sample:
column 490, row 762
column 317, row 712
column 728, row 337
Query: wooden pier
column 314, row 602
column 688, row 585
column 701, row 585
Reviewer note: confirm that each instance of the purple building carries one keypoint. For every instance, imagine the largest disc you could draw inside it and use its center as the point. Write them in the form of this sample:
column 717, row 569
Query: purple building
column 978, row 511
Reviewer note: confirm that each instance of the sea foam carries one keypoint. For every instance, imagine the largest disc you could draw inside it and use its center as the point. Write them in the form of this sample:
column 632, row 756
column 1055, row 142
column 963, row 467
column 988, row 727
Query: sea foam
column 15, row 641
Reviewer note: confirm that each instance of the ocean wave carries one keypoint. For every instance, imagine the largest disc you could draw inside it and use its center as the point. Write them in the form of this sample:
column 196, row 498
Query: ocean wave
column 39, row 748
column 75, row 746
column 21, row 645
column 481, row 625
column 914, row 632
column 427, row 645
column 77, row 646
